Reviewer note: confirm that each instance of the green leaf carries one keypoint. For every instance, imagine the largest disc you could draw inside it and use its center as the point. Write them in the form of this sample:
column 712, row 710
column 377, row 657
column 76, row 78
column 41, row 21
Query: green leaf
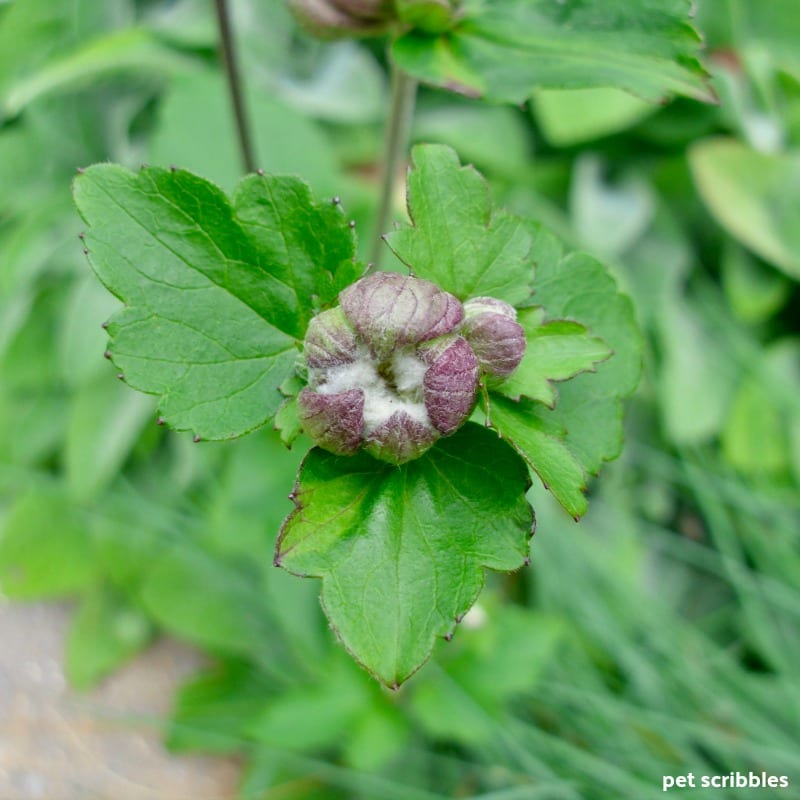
column 543, row 449
column 505, row 51
column 215, row 293
column 565, row 444
column 104, row 634
column 401, row 550
column 45, row 549
column 554, row 351
column 754, row 196
column 457, row 240
column 589, row 405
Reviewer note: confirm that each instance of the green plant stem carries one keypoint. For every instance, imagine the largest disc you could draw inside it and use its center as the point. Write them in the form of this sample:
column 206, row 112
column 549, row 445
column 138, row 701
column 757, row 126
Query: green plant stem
column 398, row 126
column 235, row 85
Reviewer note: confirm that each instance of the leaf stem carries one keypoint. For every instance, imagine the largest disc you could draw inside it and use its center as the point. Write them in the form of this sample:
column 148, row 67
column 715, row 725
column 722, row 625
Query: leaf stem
column 235, row 85
column 398, row 126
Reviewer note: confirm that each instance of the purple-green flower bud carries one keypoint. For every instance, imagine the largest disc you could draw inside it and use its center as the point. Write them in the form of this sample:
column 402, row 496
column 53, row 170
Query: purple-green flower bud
column 396, row 365
column 495, row 336
column 449, row 386
column 366, row 9
column 334, row 421
column 400, row 438
column 333, row 19
column 330, row 340
column 389, row 310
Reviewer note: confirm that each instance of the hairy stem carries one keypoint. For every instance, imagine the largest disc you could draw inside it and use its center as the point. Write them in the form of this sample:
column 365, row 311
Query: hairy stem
column 235, row 85
column 398, row 125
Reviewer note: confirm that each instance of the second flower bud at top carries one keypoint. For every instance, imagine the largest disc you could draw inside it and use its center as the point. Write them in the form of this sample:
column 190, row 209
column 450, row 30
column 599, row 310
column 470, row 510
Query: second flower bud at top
column 397, row 364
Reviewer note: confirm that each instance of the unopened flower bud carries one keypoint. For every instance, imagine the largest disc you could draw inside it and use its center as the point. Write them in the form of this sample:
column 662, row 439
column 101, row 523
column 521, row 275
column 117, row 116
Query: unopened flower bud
column 389, row 310
column 392, row 368
column 333, row 421
column 449, row 386
column 492, row 330
column 332, row 19
column 365, row 9
column 400, row 438
column 330, row 340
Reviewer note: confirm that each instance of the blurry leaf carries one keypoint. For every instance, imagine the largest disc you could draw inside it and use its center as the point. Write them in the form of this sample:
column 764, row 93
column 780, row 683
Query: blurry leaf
column 554, row 351
column 401, row 550
column 133, row 51
column 315, row 716
column 45, row 549
column 608, row 217
column 104, row 634
column 215, row 291
column 377, row 737
column 105, row 421
column 761, row 430
column 214, row 708
column 500, row 655
column 694, row 385
column 81, row 339
column 456, row 239
column 754, row 196
column 775, row 26
column 128, row 541
column 754, row 291
column 494, row 138
column 657, row 265
column 31, row 425
column 209, row 601
column 347, row 86
column 196, row 132
column 753, row 438
column 243, row 514
column 581, row 115
column 503, row 52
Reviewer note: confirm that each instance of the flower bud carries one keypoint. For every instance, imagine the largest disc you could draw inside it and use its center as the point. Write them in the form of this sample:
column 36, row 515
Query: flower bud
column 392, row 368
column 495, row 336
column 332, row 19
column 330, row 340
column 449, row 386
column 389, row 310
column 334, row 421
column 366, row 9
column 400, row 438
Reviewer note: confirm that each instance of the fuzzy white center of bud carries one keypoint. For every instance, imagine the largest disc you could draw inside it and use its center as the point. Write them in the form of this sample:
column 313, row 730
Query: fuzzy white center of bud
column 396, row 385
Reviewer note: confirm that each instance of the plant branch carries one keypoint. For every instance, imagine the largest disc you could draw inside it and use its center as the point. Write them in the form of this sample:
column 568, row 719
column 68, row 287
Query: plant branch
column 235, row 85
column 398, row 125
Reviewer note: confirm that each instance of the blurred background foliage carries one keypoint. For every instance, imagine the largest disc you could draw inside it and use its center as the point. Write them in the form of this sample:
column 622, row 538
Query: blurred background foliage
column 658, row 636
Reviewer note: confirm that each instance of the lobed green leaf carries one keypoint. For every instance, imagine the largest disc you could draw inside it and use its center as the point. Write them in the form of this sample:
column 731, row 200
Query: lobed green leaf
column 216, row 293
column 554, row 351
column 456, row 239
column 504, row 51
column 401, row 551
